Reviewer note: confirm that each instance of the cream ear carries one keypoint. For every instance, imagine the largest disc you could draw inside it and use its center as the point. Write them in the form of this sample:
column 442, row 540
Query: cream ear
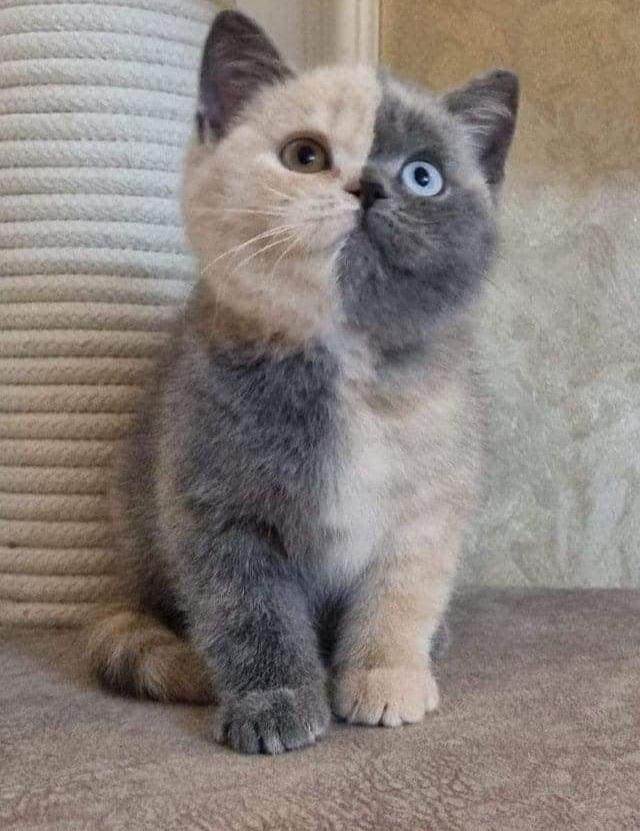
column 238, row 59
column 488, row 106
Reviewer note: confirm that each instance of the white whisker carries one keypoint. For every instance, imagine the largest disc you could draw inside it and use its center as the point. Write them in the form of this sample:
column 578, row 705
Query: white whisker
column 266, row 211
column 262, row 250
column 286, row 196
column 282, row 229
column 286, row 251
column 260, row 211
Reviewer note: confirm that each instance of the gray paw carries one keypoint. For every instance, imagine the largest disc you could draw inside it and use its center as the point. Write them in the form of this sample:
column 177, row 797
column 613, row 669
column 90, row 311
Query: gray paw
column 272, row 721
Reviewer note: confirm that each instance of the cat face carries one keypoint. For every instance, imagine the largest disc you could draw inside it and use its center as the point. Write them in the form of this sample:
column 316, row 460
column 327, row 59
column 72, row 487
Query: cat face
column 338, row 198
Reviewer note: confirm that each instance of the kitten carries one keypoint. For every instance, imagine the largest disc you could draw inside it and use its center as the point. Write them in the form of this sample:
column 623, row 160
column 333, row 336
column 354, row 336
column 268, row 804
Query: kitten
column 292, row 501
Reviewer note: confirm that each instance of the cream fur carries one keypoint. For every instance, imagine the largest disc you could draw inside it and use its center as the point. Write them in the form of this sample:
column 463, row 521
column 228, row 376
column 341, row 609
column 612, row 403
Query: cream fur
column 136, row 654
column 278, row 287
column 404, row 495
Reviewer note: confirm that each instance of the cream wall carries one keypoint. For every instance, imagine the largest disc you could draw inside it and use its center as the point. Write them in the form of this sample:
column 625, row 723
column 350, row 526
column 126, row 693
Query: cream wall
column 285, row 29
column 560, row 336
column 314, row 32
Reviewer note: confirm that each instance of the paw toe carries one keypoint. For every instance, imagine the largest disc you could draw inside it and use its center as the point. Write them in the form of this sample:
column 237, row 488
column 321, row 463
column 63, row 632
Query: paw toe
column 385, row 697
column 272, row 721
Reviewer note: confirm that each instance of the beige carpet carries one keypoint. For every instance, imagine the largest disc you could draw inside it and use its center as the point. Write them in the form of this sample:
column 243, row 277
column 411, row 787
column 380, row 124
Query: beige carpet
column 539, row 730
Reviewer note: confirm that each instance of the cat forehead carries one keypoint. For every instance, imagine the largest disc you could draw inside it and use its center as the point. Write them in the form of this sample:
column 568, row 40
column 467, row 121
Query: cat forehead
column 340, row 103
column 409, row 119
column 357, row 109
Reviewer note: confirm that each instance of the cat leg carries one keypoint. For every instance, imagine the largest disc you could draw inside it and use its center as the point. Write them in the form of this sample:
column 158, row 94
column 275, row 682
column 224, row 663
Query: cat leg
column 440, row 642
column 381, row 668
column 250, row 621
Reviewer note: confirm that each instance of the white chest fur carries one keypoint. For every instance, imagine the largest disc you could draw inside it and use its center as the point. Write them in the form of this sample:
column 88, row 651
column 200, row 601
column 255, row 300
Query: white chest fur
column 356, row 510
column 408, row 447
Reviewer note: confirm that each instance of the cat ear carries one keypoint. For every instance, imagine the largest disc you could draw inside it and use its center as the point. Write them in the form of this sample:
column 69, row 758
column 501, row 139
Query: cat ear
column 488, row 106
column 238, row 59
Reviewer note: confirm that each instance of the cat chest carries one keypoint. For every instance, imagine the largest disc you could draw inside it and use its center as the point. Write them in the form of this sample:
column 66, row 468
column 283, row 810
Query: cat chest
column 357, row 505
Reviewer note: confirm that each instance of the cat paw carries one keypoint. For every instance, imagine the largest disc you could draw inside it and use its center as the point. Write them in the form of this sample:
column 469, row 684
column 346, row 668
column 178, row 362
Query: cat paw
column 272, row 721
column 388, row 697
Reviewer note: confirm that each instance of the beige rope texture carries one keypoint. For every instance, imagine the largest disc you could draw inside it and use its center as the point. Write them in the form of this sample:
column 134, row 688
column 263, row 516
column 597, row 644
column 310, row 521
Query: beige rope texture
column 96, row 107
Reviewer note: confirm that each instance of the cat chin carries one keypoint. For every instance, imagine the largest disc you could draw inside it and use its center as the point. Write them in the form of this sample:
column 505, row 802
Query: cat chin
column 329, row 238
column 362, row 239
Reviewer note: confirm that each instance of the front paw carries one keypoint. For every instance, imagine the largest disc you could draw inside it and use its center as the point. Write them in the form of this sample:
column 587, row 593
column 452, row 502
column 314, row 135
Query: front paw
column 385, row 696
column 272, row 721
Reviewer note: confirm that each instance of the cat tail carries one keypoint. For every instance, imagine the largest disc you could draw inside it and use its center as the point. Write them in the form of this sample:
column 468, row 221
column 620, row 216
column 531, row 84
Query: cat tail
column 136, row 654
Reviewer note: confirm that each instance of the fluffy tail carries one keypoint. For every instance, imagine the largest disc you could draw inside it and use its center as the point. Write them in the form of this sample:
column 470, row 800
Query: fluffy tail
column 135, row 654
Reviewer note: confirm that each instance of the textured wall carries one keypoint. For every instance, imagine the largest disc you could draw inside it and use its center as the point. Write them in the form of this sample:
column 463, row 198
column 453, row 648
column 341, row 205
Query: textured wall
column 560, row 335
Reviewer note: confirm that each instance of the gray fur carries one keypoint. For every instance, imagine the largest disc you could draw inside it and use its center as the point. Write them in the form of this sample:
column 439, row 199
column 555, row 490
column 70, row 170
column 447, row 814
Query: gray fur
column 246, row 437
column 223, row 487
column 413, row 260
column 487, row 106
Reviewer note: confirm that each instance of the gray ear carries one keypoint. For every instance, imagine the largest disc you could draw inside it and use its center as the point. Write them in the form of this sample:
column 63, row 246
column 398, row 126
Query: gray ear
column 488, row 106
column 238, row 59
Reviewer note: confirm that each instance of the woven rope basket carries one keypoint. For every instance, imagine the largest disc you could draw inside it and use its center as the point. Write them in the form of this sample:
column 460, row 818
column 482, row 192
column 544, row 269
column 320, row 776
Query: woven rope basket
column 96, row 105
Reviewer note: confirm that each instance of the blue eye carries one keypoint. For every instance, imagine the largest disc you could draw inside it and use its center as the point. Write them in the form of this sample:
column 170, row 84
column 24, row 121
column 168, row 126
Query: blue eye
column 422, row 178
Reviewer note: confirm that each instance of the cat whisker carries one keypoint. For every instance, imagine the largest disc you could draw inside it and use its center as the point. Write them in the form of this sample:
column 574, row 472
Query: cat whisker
column 259, row 211
column 275, row 212
column 269, row 234
column 266, row 211
column 275, row 191
column 282, row 229
column 286, row 251
column 335, row 215
column 262, row 250
column 311, row 206
column 288, row 197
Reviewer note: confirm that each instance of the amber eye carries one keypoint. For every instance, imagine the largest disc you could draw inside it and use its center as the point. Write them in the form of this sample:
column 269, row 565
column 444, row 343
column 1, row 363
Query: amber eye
column 305, row 155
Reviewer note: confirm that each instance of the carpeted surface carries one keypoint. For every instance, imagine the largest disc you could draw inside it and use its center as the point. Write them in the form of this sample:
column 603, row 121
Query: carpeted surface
column 539, row 729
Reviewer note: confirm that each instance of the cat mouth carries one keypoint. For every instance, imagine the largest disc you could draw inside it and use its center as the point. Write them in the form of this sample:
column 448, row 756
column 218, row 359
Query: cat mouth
column 329, row 237
column 368, row 223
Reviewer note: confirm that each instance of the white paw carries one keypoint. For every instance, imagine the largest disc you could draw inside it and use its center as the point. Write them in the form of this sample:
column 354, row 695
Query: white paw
column 388, row 697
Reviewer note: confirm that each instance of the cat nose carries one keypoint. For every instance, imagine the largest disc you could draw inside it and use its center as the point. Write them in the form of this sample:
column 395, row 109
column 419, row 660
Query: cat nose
column 367, row 190
column 370, row 191
column 353, row 187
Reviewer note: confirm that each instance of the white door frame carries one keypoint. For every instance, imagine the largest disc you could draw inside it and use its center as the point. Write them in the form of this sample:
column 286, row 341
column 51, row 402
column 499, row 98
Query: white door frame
column 313, row 32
